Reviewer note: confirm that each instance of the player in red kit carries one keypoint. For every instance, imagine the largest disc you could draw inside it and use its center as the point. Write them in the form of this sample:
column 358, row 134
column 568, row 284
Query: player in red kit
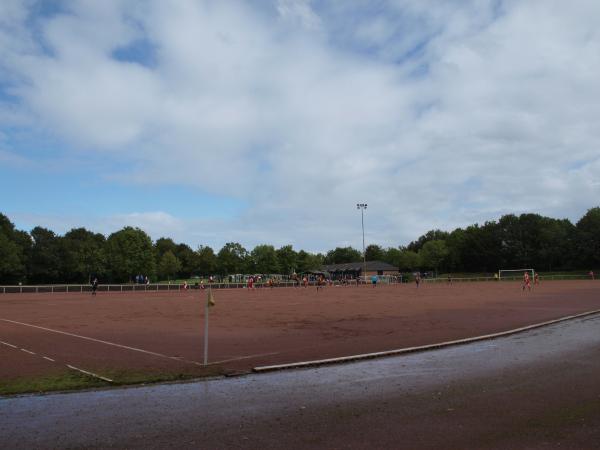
column 526, row 281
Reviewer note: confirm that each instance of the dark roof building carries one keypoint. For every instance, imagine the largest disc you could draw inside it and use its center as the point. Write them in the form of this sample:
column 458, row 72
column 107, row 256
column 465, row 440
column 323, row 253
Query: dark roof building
column 356, row 268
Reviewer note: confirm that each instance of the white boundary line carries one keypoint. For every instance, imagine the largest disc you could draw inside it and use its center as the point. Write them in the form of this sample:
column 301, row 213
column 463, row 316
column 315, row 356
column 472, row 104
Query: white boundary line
column 68, row 365
column 420, row 348
column 98, row 340
column 174, row 358
column 89, row 373
column 243, row 357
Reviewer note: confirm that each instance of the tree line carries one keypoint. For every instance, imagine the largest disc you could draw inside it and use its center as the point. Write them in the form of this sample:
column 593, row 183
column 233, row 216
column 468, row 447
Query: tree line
column 525, row 241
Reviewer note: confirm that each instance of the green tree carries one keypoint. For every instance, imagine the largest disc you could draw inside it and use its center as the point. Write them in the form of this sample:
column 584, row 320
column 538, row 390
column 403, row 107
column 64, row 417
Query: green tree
column 169, row 265
column 481, row 248
column 83, row 256
column 374, row 252
column 11, row 266
column 392, row 256
column 288, row 259
column 309, row 261
column 232, row 259
column 343, row 255
column 206, row 261
column 409, row 260
column 45, row 259
column 433, row 253
column 455, row 244
column 557, row 242
column 185, row 255
column 130, row 252
column 431, row 235
column 13, row 247
column 189, row 260
column 164, row 245
column 588, row 239
column 263, row 259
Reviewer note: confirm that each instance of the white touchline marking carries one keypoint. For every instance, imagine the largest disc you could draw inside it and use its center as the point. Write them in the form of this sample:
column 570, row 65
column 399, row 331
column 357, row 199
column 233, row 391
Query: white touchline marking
column 27, row 351
column 242, row 357
column 49, row 359
column 89, row 373
column 6, row 343
column 148, row 352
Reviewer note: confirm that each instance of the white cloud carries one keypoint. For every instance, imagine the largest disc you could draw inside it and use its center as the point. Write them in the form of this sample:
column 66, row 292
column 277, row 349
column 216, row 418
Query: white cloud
column 302, row 112
column 156, row 223
column 298, row 11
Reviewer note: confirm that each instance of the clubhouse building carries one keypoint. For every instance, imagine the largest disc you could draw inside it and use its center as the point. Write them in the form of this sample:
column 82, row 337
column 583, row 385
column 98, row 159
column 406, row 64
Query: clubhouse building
column 355, row 269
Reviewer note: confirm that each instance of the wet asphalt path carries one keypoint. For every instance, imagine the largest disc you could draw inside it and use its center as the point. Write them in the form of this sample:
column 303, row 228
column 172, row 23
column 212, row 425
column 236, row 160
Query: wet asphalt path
column 539, row 389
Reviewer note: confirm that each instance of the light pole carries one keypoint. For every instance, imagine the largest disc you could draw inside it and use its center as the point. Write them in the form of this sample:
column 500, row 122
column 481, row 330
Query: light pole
column 362, row 207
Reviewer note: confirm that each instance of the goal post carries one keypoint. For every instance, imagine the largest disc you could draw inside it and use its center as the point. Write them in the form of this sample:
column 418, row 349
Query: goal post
column 514, row 274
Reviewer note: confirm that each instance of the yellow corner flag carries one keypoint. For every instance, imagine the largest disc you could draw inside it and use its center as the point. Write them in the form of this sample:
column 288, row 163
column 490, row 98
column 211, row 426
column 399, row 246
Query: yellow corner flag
column 210, row 300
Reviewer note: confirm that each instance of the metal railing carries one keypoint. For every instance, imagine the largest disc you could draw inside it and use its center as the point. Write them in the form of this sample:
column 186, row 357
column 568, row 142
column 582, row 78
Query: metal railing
column 152, row 287
column 510, row 278
column 161, row 287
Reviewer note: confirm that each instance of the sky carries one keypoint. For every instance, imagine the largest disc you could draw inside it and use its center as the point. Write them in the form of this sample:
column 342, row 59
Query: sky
column 268, row 121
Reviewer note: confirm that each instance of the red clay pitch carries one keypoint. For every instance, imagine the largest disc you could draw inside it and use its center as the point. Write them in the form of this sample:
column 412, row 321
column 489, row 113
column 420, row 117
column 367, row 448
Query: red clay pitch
column 162, row 332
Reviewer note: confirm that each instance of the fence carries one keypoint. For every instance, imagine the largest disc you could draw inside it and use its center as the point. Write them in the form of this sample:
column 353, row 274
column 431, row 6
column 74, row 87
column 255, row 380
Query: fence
column 155, row 287
column 511, row 278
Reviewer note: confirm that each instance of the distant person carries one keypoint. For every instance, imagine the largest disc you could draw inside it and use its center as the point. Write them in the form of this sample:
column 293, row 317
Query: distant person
column 591, row 274
column 526, row 281
column 536, row 279
column 320, row 282
column 449, row 279
column 374, row 280
column 305, row 281
column 94, row 286
column 185, row 286
column 418, row 279
column 250, row 283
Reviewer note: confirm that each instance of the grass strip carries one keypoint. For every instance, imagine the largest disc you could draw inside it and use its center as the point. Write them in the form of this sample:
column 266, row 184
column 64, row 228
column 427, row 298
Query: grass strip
column 67, row 381
column 72, row 380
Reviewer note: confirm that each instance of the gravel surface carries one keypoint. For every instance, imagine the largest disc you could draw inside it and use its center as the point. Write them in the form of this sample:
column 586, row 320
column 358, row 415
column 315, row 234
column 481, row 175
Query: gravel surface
column 162, row 333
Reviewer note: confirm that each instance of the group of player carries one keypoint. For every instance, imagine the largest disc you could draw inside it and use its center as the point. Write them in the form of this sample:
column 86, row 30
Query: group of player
column 527, row 280
column 252, row 280
column 321, row 281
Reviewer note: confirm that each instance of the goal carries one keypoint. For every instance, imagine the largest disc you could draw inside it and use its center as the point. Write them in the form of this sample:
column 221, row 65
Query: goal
column 514, row 274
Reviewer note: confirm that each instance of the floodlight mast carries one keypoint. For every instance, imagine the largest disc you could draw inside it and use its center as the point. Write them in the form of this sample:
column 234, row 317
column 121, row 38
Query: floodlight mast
column 362, row 207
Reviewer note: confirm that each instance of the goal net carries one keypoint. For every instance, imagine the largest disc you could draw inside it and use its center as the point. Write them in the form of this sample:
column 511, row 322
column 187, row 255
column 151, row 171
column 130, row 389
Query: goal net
column 514, row 274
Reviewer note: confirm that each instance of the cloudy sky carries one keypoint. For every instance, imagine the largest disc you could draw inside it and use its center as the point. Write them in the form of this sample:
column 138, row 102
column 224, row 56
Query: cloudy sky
column 267, row 121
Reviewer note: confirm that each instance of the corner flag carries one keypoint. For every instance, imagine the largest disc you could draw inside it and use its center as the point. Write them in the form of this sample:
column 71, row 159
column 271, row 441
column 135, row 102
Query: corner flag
column 210, row 300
